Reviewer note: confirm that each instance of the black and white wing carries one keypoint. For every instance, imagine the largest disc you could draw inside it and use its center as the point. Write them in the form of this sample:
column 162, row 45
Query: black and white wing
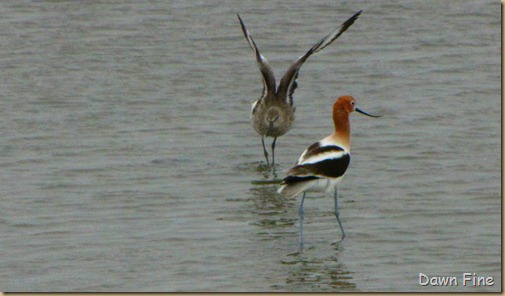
column 329, row 161
column 317, row 162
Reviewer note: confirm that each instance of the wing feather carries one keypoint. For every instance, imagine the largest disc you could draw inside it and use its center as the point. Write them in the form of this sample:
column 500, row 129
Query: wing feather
column 322, row 161
column 267, row 74
column 288, row 82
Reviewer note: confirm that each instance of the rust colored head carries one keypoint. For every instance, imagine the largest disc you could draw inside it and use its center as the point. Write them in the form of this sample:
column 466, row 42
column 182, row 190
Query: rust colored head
column 347, row 104
column 341, row 110
column 344, row 104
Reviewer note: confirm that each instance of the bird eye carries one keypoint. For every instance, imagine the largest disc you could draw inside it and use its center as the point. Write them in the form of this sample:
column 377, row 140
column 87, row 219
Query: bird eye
column 352, row 103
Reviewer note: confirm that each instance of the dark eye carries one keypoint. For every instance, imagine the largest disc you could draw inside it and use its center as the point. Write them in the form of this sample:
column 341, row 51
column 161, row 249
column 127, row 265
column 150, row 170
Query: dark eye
column 352, row 103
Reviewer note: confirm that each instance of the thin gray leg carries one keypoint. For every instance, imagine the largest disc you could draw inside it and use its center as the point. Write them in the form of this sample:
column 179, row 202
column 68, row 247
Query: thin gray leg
column 335, row 197
column 265, row 150
column 300, row 214
column 273, row 151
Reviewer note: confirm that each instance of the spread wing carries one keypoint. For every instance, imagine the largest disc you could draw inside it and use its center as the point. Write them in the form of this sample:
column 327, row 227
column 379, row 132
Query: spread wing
column 288, row 81
column 267, row 74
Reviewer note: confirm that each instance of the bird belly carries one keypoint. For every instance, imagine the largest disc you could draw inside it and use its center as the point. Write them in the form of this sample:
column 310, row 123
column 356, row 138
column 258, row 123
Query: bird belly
column 272, row 122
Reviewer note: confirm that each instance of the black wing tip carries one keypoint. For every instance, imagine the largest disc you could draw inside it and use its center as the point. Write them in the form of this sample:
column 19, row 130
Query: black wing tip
column 244, row 29
column 240, row 19
column 357, row 14
column 352, row 19
column 290, row 180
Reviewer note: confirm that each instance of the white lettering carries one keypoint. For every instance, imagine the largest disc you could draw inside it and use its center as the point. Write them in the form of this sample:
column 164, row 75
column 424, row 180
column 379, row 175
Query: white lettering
column 466, row 278
column 489, row 281
column 422, row 276
column 469, row 279
column 472, row 279
column 448, row 281
column 425, row 280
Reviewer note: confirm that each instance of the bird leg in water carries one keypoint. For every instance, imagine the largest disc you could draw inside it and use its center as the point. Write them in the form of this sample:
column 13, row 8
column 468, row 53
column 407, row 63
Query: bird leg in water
column 265, row 150
column 337, row 213
column 273, row 151
column 300, row 214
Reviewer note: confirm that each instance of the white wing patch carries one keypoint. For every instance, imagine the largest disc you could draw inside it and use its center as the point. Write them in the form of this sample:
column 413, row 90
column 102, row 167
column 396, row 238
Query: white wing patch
column 324, row 156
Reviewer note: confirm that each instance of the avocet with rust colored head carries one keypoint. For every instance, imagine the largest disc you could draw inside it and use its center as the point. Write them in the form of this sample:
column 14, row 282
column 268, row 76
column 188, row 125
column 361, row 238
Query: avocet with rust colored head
column 321, row 166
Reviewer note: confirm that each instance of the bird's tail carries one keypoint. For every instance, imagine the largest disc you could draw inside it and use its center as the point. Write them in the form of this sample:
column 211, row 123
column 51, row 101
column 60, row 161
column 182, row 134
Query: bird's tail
column 291, row 186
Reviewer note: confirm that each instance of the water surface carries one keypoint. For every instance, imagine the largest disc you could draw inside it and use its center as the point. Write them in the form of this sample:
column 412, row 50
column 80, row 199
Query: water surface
column 129, row 164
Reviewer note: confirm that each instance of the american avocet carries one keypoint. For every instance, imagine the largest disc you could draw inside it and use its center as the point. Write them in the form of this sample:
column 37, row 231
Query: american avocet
column 272, row 115
column 323, row 164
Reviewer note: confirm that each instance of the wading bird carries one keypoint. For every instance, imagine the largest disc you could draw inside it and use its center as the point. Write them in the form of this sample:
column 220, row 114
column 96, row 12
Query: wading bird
column 272, row 115
column 323, row 164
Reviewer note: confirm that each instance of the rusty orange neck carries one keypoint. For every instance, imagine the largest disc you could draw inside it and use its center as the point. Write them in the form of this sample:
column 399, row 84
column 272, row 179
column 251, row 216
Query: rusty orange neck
column 342, row 133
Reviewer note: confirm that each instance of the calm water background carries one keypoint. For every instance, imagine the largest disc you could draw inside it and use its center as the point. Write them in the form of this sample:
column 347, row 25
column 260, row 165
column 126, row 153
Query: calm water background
column 128, row 162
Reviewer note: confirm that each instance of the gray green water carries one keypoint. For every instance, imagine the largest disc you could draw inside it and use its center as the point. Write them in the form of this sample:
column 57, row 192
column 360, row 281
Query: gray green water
column 128, row 162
